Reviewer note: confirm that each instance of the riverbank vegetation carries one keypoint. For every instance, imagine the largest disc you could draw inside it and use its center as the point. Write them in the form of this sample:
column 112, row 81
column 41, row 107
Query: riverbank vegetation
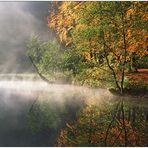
column 97, row 43
column 101, row 45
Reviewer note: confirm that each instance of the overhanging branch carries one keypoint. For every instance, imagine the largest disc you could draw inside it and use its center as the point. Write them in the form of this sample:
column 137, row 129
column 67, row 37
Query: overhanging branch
column 41, row 76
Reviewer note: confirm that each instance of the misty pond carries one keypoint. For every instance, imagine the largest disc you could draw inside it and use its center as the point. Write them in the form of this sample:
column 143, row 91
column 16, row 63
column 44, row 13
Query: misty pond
column 100, row 45
column 34, row 113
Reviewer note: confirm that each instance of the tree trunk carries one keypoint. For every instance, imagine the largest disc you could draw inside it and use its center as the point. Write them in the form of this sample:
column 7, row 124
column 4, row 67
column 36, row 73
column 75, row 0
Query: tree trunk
column 129, row 114
column 41, row 76
column 124, row 125
column 125, row 52
column 133, row 116
column 110, row 67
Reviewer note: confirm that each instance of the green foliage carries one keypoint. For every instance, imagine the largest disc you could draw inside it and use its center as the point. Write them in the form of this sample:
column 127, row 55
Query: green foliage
column 95, row 35
column 46, row 55
column 142, row 62
column 71, row 61
column 126, row 82
column 94, row 77
column 99, row 32
column 45, row 116
column 51, row 113
column 137, row 86
column 34, row 48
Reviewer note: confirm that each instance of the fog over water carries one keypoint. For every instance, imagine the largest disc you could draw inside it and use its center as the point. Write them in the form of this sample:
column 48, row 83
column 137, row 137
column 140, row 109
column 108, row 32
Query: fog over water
column 32, row 112
column 18, row 98
column 20, row 93
column 18, row 20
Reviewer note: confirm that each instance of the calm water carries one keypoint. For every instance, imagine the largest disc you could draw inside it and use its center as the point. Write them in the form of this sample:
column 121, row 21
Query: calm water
column 25, row 103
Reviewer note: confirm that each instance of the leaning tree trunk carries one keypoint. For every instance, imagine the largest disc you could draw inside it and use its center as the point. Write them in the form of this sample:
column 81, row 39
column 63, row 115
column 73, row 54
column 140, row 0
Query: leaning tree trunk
column 41, row 76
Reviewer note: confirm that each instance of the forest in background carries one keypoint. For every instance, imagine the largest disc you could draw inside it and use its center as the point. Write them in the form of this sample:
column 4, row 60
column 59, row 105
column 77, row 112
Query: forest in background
column 97, row 43
column 102, row 45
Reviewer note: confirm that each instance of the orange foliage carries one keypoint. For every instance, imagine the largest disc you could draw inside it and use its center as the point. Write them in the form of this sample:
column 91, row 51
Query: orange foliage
column 87, row 131
column 66, row 19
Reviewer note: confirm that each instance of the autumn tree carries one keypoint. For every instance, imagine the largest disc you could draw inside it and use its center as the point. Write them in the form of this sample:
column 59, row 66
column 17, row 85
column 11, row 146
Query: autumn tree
column 110, row 31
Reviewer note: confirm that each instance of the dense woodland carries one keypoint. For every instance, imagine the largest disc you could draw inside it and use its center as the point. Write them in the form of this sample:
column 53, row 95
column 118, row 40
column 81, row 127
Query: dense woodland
column 101, row 45
column 96, row 43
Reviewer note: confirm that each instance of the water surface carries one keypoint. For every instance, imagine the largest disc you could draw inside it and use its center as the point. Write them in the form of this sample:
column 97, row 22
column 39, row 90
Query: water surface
column 25, row 104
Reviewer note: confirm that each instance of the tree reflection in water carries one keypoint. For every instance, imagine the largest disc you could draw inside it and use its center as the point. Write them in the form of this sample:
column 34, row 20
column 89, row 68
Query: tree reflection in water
column 115, row 122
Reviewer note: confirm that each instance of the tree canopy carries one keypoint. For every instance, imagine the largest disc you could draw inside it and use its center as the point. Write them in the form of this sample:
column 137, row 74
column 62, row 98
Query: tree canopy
column 114, row 31
column 97, row 39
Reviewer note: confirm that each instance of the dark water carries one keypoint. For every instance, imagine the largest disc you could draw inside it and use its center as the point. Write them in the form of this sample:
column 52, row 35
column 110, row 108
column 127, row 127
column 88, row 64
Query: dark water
column 17, row 99
column 14, row 108
column 23, row 104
